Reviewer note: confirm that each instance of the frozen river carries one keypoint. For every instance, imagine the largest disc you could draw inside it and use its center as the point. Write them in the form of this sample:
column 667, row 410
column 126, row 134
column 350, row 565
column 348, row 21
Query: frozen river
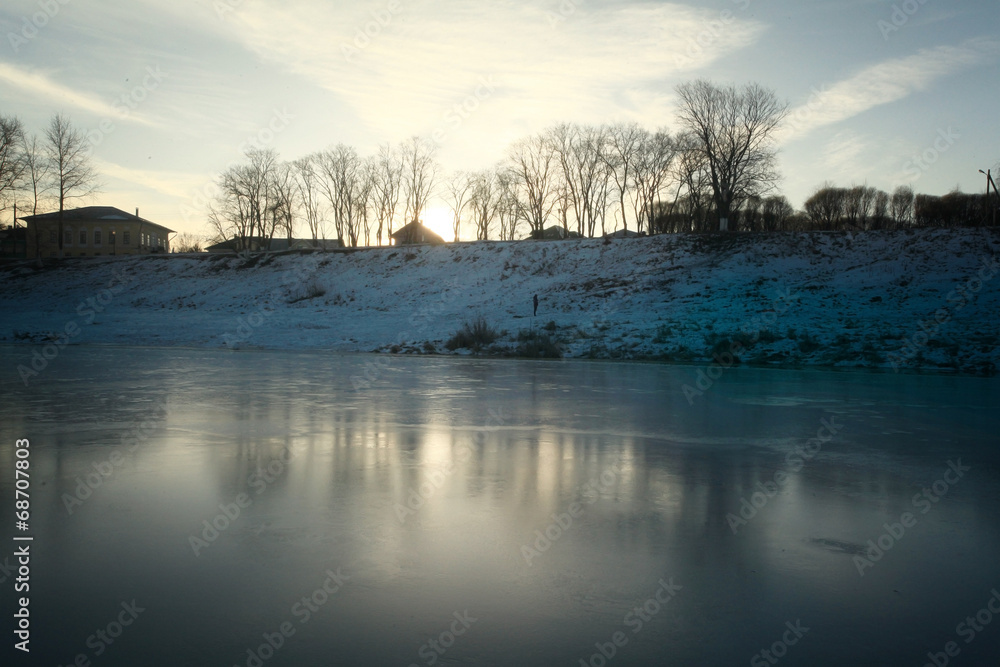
column 264, row 508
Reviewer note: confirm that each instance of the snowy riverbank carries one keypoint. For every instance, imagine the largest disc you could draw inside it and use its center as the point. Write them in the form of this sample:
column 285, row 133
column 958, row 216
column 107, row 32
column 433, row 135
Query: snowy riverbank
column 922, row 299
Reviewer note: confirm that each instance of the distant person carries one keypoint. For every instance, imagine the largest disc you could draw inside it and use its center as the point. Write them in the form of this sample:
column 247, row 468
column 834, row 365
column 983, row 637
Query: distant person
column 536, row 305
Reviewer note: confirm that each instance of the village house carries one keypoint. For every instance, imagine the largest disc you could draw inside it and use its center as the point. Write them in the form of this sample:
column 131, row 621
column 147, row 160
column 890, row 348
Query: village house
column 555, row 233
column 92, row 231
column 413, row 234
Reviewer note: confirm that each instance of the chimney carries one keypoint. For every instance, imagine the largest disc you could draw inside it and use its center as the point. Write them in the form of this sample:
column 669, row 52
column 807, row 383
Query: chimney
column 137, row 211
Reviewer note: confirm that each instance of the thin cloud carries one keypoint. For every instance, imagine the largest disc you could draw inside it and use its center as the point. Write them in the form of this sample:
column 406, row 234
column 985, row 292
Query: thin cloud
column 41, row 85
column 402, row 77
column 178, row 185
column 884, row 83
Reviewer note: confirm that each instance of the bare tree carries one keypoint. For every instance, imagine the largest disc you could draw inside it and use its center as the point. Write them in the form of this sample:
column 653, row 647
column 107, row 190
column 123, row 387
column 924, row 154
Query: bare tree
column 70, row 168
column 735, row 129
column 459, row 188
column 508, row 208
column 186, row 242
column 419, row 174
column 750, row 215
column 36, row 172
column 880, row 210
column 284, row 199
column 343, row 185
column 244, row 208
column 484, row 201
column 533, row 167
column 367, row 196
column 386, row 187
column 585, row 172
column 623, row 143
column 650, row 174
column 12, row 159
column 775, row 213
column 826, row 207
column 901, row 206
column 689, row 213
column 309, row 195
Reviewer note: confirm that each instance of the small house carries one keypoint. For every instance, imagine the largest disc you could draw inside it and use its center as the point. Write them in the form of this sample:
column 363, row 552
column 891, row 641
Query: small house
column 555, row 233
column 413, row 234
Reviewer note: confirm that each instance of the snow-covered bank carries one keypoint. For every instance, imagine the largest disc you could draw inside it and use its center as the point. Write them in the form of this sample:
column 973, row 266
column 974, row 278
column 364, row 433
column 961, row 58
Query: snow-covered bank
column 918, row 299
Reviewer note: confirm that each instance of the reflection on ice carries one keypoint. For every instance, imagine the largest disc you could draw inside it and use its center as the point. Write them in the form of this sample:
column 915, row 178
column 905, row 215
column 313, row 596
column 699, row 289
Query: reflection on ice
column 546, row 500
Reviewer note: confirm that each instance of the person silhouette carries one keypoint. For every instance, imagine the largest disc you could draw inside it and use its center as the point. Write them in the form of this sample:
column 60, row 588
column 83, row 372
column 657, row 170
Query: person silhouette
column 536, row 305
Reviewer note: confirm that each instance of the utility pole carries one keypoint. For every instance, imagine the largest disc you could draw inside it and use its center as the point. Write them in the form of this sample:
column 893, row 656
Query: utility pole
column 990, row 182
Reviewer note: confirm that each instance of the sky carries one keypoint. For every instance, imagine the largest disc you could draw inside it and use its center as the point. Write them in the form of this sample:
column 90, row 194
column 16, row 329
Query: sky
column 172, row 93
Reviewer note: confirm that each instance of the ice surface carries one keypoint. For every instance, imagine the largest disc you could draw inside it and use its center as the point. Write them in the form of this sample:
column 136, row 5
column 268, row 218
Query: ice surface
column 488, row 452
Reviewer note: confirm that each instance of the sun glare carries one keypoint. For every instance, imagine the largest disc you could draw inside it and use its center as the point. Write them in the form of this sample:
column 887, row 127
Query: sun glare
column 439, row 220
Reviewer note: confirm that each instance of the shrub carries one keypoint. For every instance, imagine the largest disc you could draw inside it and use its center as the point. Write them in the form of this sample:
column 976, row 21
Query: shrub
column 310, row 290
column 535, row 345
column 808, row 344
column 473, row 335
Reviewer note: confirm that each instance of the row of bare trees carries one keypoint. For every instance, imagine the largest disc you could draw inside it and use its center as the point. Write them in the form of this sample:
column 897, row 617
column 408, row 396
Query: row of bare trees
column 575, row 176
column 865, row 207
column 860, row 207
column 51, row 170
column 588, row 179
column 361, row 197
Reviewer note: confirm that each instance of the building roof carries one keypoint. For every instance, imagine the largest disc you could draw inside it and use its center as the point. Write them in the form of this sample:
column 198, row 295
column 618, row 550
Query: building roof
column 278, row 244
column 555, row 232
column 415, row 230
column 91, row 214
column 623, row 234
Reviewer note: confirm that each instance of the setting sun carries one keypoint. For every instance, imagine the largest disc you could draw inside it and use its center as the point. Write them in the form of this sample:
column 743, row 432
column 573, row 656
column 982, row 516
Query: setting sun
column 439, row 220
